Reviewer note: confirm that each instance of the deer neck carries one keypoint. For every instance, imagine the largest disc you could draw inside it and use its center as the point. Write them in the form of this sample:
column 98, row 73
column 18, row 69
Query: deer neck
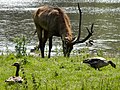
column 66, row 30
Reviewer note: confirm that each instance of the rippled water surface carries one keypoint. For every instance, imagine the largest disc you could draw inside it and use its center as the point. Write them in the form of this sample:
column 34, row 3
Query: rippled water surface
column 16, row 20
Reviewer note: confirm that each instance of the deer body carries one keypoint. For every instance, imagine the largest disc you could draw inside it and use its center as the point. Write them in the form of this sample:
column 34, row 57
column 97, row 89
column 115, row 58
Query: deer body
column 52, row 21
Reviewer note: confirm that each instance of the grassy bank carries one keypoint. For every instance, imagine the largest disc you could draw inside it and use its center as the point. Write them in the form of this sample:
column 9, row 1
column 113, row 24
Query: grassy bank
column 59, row 73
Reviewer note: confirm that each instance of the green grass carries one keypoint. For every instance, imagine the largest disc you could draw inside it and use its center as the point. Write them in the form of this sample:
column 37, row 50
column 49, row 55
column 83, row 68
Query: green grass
column 59, row 73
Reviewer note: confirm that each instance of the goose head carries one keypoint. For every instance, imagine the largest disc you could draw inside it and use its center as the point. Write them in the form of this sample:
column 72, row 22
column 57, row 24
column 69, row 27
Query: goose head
column 16, row 64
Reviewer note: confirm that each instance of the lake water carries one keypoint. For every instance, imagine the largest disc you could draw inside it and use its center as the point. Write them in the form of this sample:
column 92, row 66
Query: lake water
column 16, row 20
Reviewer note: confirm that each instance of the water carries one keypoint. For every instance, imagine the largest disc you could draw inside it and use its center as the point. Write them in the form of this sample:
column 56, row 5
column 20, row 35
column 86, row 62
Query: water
column 16, row 20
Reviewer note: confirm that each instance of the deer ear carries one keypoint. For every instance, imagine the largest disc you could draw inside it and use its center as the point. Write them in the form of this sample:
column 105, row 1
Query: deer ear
column 66, row 39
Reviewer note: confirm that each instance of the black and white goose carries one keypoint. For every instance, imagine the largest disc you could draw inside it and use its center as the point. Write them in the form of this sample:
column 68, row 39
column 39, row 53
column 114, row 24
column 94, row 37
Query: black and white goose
column 16, row 78
column 98, row 62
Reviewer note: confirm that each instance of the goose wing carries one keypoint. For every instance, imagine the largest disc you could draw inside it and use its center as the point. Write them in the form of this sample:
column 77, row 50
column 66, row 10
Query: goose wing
column 14, row 79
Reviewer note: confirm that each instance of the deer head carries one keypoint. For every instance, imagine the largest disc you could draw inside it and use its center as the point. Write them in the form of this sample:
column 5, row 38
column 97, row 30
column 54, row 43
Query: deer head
column 68, row 45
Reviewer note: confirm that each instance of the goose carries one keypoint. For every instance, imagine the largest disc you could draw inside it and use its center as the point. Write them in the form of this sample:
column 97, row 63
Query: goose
column 98, row 62
column 16, row 78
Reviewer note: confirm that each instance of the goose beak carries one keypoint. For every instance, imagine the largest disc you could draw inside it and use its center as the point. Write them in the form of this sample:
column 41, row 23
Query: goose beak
column 12, row 65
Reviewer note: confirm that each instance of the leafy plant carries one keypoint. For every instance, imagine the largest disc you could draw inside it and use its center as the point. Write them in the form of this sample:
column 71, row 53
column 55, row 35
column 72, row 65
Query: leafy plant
column 20, row 46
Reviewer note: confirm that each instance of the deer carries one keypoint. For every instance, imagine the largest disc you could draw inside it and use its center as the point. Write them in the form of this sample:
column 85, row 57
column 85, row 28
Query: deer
column 53, row 21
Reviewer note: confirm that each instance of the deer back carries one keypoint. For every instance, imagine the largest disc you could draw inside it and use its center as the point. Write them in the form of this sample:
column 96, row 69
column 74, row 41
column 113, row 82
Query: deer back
column 54, row 21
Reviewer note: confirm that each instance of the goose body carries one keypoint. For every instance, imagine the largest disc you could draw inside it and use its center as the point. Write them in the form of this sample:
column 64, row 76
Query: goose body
column 98, row 62
column 16, row 78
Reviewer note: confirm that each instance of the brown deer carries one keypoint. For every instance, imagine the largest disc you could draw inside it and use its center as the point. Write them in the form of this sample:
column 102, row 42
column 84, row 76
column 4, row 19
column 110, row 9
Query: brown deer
column 52, row 21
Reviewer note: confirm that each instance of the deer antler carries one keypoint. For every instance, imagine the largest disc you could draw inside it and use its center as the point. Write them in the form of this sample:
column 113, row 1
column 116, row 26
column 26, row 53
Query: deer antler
column 90, row 32
column 79, row 32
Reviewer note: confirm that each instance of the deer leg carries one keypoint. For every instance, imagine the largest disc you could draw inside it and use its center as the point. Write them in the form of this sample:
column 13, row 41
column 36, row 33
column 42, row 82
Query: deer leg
column 41, row 45
column 39, row 32
column 42, row 42
column 50, row 46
